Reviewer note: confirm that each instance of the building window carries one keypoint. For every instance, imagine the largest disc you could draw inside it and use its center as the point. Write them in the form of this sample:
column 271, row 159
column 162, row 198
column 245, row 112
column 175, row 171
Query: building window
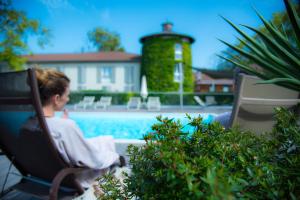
column 212, row 88
column 225, row 89
column 60, row 69
column 129, row 79
column 177, row 73
column 129, row 74
column 81, row 75
column 178, row 52
column 105, row 75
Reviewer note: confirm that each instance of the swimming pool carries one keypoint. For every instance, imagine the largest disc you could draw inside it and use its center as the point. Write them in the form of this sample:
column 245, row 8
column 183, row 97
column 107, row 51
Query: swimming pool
column 125, row 125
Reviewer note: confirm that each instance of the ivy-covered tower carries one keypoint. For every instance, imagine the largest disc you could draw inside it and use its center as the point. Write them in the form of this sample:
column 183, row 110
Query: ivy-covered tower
column 163, row 55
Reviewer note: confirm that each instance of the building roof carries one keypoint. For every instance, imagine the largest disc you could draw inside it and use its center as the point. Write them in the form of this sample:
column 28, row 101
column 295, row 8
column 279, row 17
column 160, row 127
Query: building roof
column 216, row 74
column 84, row 57
column 168, row 32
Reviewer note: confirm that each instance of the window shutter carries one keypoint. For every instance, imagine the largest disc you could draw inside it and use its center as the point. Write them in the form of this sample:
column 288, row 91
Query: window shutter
column 113, row 74
column 98, row 74
column 126, row 75
column 81, row 75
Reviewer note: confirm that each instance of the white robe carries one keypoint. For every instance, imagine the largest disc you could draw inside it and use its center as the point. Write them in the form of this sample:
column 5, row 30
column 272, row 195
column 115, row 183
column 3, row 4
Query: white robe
column 97, row 153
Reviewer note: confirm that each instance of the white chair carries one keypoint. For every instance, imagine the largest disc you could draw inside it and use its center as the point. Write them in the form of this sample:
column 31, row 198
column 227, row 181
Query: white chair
column 104, row 102
column 210, row 100
column 254, row 104
column 134, row 103
column 153, row 104
column 199, row 101
column 86, row 102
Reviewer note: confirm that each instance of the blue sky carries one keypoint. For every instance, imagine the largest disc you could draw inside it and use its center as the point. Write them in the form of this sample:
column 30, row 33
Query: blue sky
column 70, row 20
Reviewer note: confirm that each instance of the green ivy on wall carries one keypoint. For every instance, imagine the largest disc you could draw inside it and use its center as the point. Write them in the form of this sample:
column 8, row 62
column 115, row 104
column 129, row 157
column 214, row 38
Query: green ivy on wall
column 158, row 61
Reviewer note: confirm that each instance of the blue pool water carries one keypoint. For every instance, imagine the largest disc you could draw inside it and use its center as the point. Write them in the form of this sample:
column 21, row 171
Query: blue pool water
column 125, row 125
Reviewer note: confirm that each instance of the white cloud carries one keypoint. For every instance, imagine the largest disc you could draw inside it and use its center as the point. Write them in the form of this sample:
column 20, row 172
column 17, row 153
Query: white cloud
column 57, row 4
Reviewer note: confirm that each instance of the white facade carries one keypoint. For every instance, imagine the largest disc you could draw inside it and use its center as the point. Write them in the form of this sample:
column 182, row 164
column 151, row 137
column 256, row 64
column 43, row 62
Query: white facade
column 107, row 76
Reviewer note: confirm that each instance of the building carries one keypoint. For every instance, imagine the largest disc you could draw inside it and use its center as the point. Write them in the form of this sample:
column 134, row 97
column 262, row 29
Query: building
column 108, row 71
column 165, row 56
column 166, row 61
column 213, row 81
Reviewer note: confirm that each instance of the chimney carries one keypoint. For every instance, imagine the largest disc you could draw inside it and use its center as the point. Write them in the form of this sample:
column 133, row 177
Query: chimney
column 167, row 27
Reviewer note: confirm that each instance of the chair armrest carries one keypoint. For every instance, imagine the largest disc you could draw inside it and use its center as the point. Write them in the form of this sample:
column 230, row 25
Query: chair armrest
column 59, row 178
column 277, row 102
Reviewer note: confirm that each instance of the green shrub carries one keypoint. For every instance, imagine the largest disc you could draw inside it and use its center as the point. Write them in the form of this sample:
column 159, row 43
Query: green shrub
column 213, row 163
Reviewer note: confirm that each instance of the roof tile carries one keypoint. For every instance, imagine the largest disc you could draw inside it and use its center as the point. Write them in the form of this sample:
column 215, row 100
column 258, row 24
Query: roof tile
column 83, row 57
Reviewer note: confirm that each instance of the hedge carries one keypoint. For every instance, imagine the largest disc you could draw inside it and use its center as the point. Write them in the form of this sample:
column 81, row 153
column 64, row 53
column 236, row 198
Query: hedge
column 165, row 98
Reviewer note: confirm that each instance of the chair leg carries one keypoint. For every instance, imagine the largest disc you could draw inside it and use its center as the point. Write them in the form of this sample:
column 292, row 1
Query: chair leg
column 6, row 177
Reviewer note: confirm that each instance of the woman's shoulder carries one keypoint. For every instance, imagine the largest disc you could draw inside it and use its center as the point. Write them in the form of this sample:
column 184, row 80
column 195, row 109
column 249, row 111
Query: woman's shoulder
column 60, row 121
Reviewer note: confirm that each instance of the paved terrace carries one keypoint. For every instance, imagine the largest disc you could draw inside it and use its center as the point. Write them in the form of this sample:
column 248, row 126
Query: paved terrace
column 12, row 178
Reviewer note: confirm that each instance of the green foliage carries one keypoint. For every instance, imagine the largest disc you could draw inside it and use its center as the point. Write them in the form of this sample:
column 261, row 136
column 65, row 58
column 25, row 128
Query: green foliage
column 117, row 98
column 213, row 163
column 280, row 20
column 274, row 52
column 105, row 40
column 14, row 28
column 112, row 189
column 158, row 62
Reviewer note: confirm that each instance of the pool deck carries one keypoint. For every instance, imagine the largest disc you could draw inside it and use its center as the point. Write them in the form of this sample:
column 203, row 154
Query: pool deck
column 120, row 144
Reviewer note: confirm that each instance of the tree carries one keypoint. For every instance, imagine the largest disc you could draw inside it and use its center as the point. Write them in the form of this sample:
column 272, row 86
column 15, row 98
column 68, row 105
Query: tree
column 15, row 27
column 105, row 40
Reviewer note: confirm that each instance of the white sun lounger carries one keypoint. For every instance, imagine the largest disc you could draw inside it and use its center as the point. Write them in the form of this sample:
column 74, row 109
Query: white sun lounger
column 199, row 101
column 210, row 100
column 104, row 102
column 85, row 103
column 134, row 103
column 153, row 104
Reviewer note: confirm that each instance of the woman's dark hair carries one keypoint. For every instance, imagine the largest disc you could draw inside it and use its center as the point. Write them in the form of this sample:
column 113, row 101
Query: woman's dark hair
column 51, row 82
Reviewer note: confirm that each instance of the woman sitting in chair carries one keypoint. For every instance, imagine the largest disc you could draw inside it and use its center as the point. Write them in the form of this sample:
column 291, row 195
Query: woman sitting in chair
column 96, row 153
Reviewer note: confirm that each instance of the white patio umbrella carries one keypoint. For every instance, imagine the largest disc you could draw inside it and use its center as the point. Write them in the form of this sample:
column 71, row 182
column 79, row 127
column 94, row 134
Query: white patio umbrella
column 144, row 90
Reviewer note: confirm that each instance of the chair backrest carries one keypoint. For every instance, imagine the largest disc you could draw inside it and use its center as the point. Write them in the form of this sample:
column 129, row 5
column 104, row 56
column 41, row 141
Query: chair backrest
column 210, row 100
column 154, row 100
column 105, row 99
column 199, row 101
column 24, row 135
column 135, row 100
column 254, row 103
column 88, row 99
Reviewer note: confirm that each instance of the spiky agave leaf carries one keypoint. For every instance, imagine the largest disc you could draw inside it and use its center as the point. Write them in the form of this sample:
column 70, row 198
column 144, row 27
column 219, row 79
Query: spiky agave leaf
column 277, row 35
column 274, row 53
column 268, row 78
column 294, row 19
column 280, row 55
column 260, row 46
column 263, row 63
column 245, row 67
column 278, row 80
column 273, row 59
